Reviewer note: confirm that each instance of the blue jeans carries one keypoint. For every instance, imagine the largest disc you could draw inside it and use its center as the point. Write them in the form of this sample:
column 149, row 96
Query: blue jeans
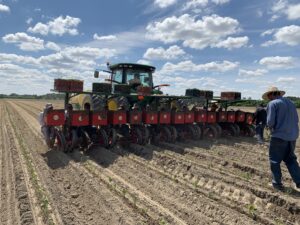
column 260, row 132
column 281, row 150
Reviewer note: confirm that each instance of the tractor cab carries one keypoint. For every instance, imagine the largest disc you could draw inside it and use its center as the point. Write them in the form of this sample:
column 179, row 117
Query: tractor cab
column 132, row 74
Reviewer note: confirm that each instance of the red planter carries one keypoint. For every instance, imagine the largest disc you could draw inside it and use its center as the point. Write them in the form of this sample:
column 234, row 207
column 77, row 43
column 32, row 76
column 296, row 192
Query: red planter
column 249, row 118
column 240, row 116
column 150, row 117
column 222, row 116
column 189, row 117
column 134, row 117
column 231, row 116
column 55, row 118
column 164, row 117
column 177, row 118
column 80, row 118
column 99, row 118
column 211, row 117
column 117, row 117
column 201, row 116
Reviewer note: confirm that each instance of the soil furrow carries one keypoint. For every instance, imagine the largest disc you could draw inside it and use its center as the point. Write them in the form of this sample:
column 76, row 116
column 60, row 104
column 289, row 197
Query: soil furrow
column 79, row 194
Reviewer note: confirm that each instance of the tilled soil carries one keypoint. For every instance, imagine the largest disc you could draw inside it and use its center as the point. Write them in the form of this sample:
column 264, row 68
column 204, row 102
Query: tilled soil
column 205, row 182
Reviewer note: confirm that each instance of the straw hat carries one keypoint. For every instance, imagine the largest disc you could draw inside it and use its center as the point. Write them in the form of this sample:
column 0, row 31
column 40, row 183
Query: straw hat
column 271, row 90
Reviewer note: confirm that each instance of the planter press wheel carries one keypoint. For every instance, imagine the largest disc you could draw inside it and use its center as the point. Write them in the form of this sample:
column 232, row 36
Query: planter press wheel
column 232, row 130
column 165, row 134
column 136, row 135
column 102, row 137
column 60, row 141
column 248, row 131
column 174, row 134
column 112, row 137
column 219, row 129
column 191, row 132
column 210, row 132
column 145, row 135
column 198, row 131
column 238, row 129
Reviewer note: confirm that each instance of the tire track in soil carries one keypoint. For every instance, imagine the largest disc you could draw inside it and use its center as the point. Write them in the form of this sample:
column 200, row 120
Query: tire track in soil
column 107, row 212
column 236, row 190
column 9, row 211
column 19, row 206
column 231, row 220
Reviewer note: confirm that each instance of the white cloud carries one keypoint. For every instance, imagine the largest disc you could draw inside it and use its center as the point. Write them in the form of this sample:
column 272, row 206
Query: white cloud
column 19, row 59
column 193, row 4
column 220, row 2
column 53, row 46
column 286, row 79
column 58, row 26
column 196, row 34
column 104, row 38
column 283, row 8
column 278, row 62
column 289, row 35
column 293, row 12
column 24, row 41
column 252, row 73
column 164, row 3
column 4, row 8
column 144, row 62
column 231, row 42
column 29, row 20
column 189, row 66
column 172, row 52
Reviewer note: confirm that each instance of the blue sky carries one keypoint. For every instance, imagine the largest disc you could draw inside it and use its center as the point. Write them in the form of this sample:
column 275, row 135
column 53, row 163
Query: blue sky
column 219, row 45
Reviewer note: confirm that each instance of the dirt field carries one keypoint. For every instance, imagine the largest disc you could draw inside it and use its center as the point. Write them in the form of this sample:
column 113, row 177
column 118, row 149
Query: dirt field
column 204, row 182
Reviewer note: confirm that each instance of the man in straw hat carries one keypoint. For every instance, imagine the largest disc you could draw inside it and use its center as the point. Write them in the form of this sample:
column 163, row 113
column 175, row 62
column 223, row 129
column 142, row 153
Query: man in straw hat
column 282, row 119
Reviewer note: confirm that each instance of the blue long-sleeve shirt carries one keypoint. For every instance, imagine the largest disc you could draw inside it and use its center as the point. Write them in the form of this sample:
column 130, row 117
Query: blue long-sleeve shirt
column 283, row 119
